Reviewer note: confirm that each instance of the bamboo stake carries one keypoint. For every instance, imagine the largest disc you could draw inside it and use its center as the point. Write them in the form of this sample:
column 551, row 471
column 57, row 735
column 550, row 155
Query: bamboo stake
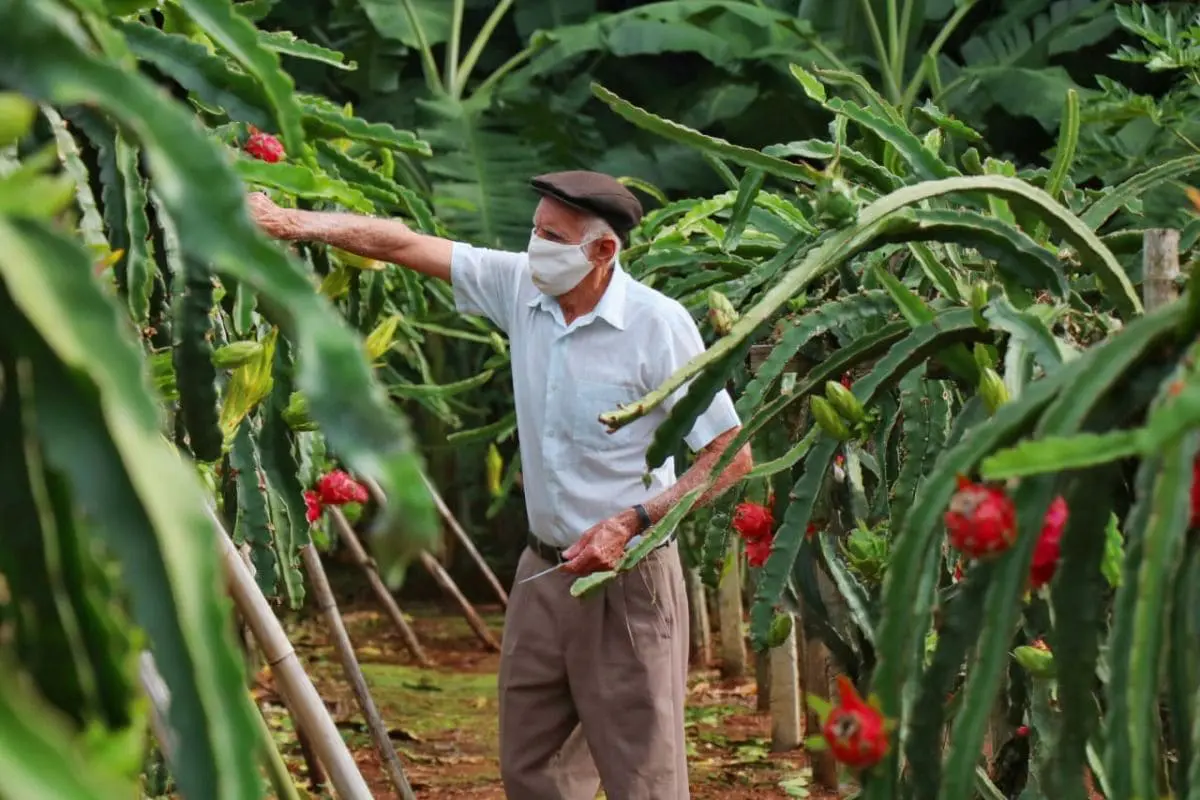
column 445, row 581
column 345, row 650
column 160, row 701
column 277, row 771
column 444, row 510
column 347, row 534
column 307, row 707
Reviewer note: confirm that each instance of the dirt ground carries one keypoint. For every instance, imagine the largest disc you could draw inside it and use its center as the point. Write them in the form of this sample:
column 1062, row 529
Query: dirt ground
column 443, row 720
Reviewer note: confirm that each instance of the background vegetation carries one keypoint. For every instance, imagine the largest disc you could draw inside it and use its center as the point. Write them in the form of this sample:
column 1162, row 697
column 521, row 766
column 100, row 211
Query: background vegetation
column 940, row 203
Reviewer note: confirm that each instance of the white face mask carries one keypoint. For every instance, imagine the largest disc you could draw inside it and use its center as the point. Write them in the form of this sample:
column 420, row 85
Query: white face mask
column 557, row 268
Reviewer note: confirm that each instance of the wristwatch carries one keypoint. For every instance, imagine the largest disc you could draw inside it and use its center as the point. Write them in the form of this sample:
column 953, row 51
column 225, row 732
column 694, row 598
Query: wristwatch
column 644, row 520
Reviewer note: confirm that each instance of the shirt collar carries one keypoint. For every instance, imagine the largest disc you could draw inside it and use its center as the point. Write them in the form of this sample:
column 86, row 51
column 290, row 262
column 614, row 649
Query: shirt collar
column 611, row 307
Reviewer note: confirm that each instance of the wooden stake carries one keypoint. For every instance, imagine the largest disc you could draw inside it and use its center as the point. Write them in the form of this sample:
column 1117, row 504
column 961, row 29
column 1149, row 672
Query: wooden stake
column 449, row 587
column 364, row 561
column 469, row 545
column 307, row 707
column 445, row 581
column 350, row 666
column 762, row 680
column 785, row 694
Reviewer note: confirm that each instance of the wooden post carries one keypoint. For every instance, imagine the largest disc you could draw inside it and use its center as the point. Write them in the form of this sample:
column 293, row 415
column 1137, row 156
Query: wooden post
column 1160, row 267
column 444, row 580
column 785, row 694
column 449, row 587
column 701, row 633
column 346, row 532
column 345, row 650
column 762, row 680
column 299, row 694
column 466, row 542
column 729, row 598
column 809, row 670
column 1160, row 271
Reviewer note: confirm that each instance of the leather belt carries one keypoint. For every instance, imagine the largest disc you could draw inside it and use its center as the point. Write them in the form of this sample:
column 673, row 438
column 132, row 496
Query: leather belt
column 554, row 554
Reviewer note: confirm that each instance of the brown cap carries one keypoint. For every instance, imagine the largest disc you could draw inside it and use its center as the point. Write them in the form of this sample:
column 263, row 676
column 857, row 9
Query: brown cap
column 594, row 192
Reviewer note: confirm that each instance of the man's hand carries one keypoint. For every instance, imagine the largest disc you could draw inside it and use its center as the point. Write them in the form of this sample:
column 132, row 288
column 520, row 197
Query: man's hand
column 275, row 221
column 602, row 546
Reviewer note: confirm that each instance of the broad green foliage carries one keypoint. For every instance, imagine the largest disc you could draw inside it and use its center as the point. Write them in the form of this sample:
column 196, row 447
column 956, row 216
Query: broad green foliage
column 161, row 360
column 914, row 268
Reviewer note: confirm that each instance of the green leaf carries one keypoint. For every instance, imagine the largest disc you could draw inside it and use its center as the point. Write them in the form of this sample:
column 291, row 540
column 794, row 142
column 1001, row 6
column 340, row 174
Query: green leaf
column 209, row 76
column 871, row 222
column 286, row 43
column 206, row 202
column 753, row 159
column 300, row 181
column 237, row 36
column 100, row 426
column 747, row 193
column 40, row 758
column 1101, row 209
column 323, row 123
column 925, row 164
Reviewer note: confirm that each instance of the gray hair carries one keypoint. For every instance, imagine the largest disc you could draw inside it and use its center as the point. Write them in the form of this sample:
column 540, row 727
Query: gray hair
column 598, row 228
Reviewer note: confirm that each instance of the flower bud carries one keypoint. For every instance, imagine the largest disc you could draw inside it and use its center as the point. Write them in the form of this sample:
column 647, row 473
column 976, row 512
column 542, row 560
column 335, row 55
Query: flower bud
column 991, row 388
column 721, row 312
column 781, row 627
column 1036, row 661
column 844, row 401
column 828, row 419
column 16, row 117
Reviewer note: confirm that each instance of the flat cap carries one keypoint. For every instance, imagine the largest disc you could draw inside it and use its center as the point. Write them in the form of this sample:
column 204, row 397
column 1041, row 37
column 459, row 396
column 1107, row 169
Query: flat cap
column 594, row 192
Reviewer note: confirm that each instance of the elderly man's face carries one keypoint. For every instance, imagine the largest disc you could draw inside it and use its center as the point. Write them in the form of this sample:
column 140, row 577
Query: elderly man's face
column 558, row 222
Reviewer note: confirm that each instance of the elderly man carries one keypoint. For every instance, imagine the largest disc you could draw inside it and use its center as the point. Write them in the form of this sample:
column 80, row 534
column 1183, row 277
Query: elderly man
column 592, row 685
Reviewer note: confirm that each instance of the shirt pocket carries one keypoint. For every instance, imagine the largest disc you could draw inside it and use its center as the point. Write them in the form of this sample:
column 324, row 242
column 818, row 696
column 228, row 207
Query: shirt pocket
column 592, row 399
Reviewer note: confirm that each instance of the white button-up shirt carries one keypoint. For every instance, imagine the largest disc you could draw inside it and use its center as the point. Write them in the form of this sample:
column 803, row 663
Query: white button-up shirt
column 575, row 473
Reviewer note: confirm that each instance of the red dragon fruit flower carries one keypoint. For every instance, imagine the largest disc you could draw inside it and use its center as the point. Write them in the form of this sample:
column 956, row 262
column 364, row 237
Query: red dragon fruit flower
column 758, row 551
column 1194, row 522
column 981, row 520
column 337, row 488
column 753, row 522
column 264, row 146
column 856, row 731
column 1046, row 552
column 313, row 508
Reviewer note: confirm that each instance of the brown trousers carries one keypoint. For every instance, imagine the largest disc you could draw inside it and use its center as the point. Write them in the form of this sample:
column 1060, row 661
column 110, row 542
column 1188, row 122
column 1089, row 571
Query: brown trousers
column 592, row 690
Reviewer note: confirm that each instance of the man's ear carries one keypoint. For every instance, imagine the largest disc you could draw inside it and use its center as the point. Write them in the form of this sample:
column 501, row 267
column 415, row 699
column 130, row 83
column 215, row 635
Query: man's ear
column 603, row 250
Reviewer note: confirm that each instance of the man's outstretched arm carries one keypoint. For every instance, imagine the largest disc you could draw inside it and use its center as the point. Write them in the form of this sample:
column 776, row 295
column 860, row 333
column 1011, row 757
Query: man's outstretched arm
column 386, row 240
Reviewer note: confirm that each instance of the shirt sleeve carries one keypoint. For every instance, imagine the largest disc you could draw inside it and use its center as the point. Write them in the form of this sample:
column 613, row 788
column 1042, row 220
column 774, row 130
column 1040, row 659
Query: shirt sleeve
column 486, row 282
column 683, row 344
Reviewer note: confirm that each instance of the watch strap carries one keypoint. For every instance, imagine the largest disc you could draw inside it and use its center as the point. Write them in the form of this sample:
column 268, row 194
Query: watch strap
column 643, row 517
